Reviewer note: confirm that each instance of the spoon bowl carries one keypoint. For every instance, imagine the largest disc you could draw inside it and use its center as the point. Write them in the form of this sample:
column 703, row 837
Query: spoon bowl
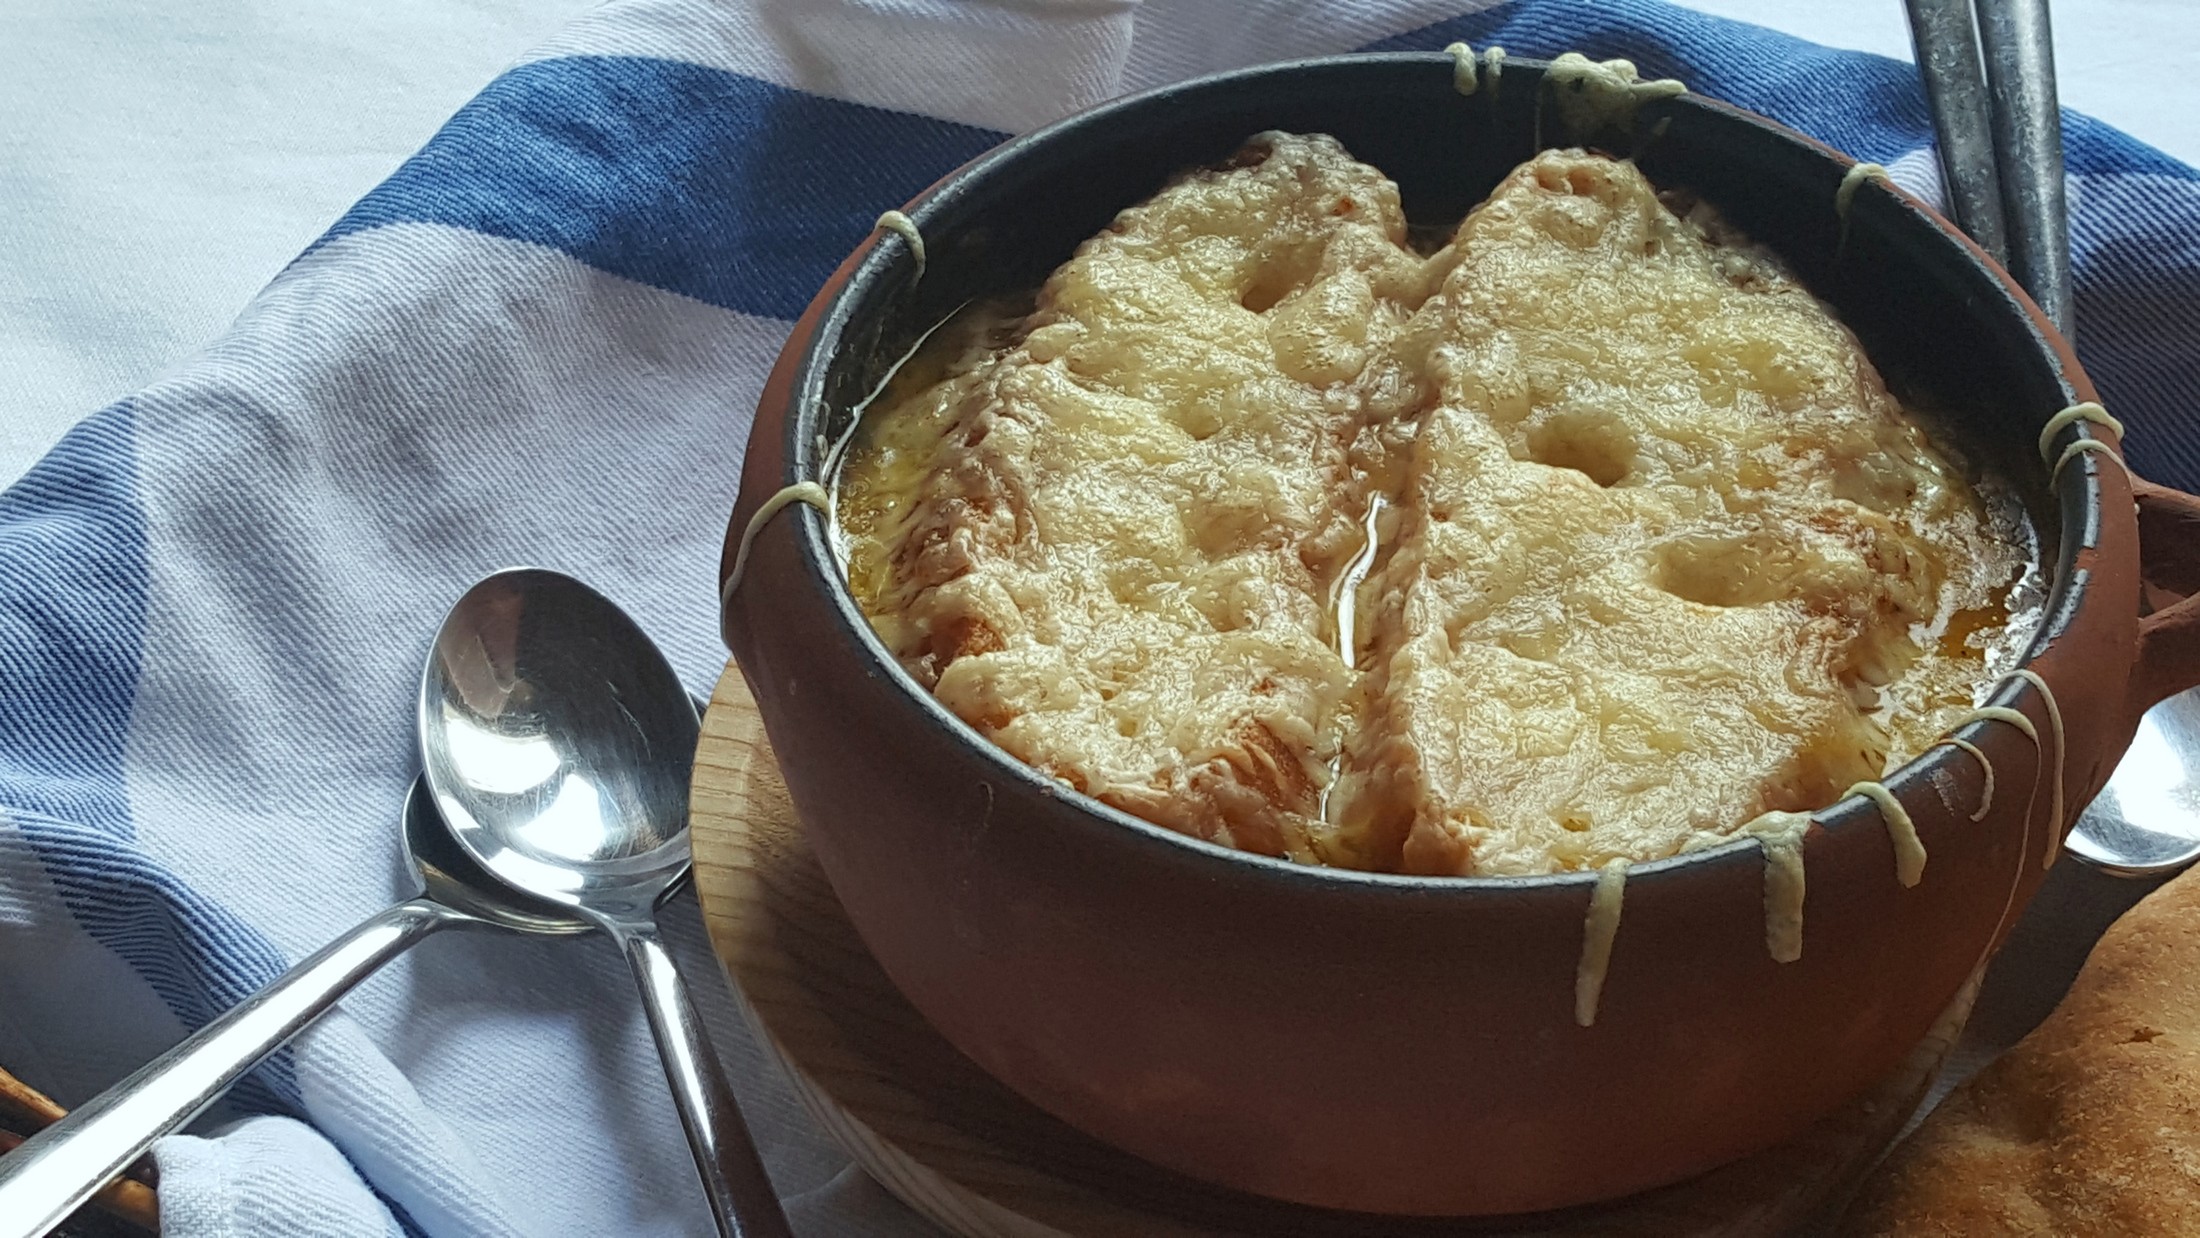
column 557, row 743
column 451, row 877
column 2146, row 821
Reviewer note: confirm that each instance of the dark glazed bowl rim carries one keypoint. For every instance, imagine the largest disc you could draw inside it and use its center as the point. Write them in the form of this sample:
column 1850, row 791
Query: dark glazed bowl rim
column 2078, row 508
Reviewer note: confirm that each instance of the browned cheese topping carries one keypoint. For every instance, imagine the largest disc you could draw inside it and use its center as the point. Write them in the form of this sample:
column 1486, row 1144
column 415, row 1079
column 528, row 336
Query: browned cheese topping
column 1656, row 552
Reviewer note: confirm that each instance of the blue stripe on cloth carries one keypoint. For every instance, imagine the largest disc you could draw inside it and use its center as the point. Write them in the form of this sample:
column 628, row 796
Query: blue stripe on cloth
column 198, row 957
column 72, row 616
column 2092, row 148
column 727, row 189
column 2136, row 250
column 73, row 582
column 401, row 1223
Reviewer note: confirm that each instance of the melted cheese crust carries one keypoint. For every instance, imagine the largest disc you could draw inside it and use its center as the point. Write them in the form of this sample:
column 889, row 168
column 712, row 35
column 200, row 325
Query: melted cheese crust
column 1106, row 536
column 1658, row 553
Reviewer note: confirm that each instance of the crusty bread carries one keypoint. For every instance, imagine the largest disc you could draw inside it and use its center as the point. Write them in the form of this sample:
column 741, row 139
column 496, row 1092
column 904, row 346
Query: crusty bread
column 2090, row 1126
column 1660, row 553
column 1664, row 540
column 1107, row 540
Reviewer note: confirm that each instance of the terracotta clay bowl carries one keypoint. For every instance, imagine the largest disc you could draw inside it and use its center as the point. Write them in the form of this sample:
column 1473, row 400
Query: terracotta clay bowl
column 1399, row 1044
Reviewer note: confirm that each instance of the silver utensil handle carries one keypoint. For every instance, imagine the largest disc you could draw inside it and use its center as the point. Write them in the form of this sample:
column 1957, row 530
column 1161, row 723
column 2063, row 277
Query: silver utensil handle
column 55, row 1171
column 741, row 1197
column 2020, row 76
column 1946, row 41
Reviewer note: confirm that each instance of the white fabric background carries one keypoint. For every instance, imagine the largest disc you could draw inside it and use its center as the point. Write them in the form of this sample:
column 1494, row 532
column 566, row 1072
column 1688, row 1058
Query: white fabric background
column 160, row 162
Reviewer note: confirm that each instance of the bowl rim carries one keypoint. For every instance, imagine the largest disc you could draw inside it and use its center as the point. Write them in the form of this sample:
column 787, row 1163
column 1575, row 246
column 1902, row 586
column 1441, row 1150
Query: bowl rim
column 807, row 459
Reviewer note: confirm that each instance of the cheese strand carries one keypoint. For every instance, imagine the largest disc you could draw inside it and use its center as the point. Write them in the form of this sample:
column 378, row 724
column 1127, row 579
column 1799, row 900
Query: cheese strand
column 1986, row 793
column 2085, row 410
column 801, row 492
column 1462, row 68
column 1909, row 849
column 1597, row 934
column 905, row 228
column 2054, row 724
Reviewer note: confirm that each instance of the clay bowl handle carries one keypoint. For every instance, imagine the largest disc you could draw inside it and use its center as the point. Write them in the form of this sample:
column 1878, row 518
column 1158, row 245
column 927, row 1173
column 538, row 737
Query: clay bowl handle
column 2169, row 573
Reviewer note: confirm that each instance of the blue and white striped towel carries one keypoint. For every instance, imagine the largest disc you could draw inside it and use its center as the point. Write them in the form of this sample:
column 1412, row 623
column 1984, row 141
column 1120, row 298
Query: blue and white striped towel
column 540, row 341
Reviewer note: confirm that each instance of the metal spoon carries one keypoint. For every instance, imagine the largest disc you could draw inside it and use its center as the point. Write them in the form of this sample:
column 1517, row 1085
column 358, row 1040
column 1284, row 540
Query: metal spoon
column 55, row 1171
column 2146, row 821
column 558, row 741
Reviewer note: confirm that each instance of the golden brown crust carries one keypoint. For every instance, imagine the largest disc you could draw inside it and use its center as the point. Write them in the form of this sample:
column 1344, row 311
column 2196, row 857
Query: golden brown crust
column 1105, row 535
column 2089, row 1126
column 1664, row 537
column 1107, row 532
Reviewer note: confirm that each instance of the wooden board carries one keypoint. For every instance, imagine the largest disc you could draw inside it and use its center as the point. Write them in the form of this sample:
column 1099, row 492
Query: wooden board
column 981, row 1162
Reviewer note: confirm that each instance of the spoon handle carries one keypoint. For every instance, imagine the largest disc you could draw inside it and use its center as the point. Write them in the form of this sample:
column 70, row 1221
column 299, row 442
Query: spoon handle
column 56, row 1170
column 741, row 1197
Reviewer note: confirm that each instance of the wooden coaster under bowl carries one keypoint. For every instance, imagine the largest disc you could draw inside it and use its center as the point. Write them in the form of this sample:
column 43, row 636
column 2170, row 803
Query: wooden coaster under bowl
column 981, row 1162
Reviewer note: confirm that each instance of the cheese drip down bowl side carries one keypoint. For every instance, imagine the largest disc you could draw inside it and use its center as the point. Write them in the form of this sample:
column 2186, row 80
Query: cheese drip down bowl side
column 1409, row 1045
